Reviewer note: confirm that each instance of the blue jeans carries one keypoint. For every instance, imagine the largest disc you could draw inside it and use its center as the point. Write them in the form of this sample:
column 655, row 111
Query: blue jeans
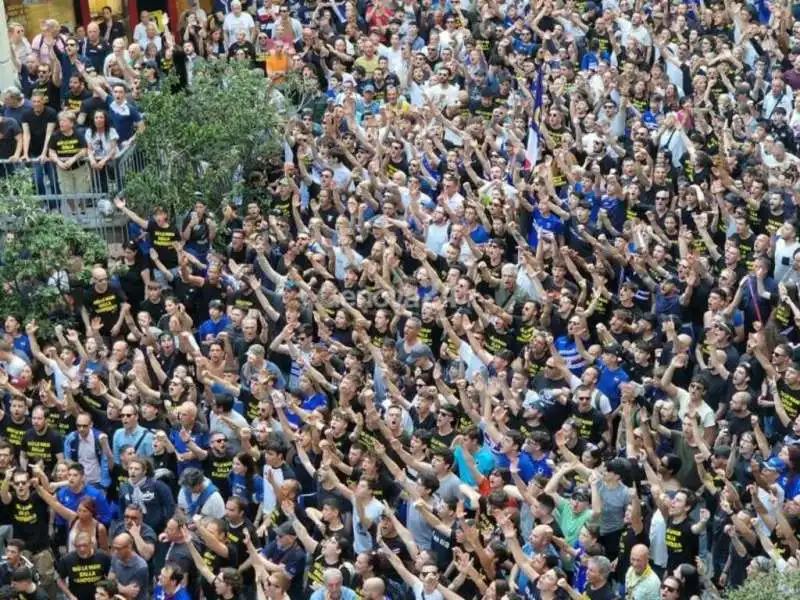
column 42, row 171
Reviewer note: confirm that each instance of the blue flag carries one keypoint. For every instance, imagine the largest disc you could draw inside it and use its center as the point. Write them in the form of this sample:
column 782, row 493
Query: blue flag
column 764, row 13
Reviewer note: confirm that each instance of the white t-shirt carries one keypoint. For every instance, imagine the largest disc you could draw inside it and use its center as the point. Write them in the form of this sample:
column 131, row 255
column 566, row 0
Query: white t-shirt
column 362, row 540
column 784, row 256
column 707, row 416
column 232, row 25
column 420, row 594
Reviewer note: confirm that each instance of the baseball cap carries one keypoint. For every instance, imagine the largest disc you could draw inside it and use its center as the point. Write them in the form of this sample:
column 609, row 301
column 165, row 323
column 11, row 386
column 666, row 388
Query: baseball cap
column 582, row 495
column 369, row 88
column 773, row 464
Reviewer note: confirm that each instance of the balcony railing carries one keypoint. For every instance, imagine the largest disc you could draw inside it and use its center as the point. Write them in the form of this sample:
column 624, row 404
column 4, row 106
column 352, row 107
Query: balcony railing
column 92, row 208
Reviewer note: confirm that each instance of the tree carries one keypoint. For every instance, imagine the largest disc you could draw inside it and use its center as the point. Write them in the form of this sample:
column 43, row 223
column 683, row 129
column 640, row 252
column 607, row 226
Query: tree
column 769, row 586
column 45, row 257
column 206, row 139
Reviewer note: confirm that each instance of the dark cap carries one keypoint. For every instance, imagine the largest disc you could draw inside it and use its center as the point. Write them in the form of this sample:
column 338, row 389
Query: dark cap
column 582, row 495
column 614, row 350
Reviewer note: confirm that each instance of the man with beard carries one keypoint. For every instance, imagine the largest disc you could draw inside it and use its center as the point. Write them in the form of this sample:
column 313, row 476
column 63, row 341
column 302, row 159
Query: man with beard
column 80, row 570
column 239, row 527
column 29, row 515
column 152, row 496
column 40, row 444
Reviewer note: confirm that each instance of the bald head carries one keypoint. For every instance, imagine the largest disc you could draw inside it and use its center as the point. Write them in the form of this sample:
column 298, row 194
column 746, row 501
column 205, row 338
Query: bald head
column 123, row 545
column 373, row 589
column 640, row 558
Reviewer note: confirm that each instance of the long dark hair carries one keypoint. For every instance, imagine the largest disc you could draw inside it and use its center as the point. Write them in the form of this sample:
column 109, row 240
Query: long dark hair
column 250, row 472
column 93, row 127
column 691, row 580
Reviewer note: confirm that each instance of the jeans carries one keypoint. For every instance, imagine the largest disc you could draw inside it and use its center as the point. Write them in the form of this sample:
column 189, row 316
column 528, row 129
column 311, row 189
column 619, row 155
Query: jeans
column 42, row 171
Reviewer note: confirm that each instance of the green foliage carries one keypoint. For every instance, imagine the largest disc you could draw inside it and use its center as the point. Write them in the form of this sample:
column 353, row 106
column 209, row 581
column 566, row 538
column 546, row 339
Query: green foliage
column 36, row 246
column 769, row 586
column 205, row 139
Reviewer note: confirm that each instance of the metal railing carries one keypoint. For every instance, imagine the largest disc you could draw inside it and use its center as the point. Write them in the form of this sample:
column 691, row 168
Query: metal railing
column 92, row 207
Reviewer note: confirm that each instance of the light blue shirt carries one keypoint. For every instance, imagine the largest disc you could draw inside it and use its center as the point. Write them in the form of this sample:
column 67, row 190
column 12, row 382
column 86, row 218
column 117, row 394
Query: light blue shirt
column 123, row 438
column 347, row 594
column 484, row 461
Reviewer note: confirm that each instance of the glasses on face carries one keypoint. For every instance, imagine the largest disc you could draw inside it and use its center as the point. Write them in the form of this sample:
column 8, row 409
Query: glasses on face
column 429, row 572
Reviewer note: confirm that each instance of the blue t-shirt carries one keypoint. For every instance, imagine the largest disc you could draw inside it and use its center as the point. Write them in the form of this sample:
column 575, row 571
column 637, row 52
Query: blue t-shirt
column 484, row 461
column 180, row 594
column 123, row 118
column 550, row 223
column 309, row 404
column 568, row 350
column 609, row 381
column 238, row 486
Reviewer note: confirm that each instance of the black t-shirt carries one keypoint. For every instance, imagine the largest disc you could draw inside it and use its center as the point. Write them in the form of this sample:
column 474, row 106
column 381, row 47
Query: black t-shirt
column 37, row 594
column 106, row 305
column 591, row 425
column 96, row 54
column 50, row 92
column 14, row 432
column 9, row 130
column 163, row 239
column 30, row 519
column 236, row 537
column 90, row 106
column 74, row 102
column 217, row 469
column 42, row 447
column 60, row 422
column 37, row 126
column 67, row 145
column 682, row 545
column 604, row 593
column 83, row 574
column 215, row 563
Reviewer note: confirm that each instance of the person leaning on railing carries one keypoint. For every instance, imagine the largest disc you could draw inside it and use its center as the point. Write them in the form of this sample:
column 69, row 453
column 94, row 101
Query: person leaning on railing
column 67, row 150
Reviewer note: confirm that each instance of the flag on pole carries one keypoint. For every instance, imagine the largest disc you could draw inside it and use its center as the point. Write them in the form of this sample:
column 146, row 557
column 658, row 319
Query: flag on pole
column 532, row 150
column 764, row 12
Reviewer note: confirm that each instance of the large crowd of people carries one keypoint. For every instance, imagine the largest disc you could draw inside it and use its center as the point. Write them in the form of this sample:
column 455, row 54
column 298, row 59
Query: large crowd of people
column 515, row 316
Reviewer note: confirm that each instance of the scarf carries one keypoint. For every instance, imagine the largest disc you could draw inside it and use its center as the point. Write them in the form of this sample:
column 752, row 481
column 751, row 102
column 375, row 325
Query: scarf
column 137, row 497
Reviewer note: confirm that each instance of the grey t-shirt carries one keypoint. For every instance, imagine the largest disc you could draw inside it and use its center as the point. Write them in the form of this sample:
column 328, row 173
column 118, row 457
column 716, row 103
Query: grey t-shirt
column 448, row 488
column 134, row 570
column 419, row 528
column 216, row 425
column 615, row 501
